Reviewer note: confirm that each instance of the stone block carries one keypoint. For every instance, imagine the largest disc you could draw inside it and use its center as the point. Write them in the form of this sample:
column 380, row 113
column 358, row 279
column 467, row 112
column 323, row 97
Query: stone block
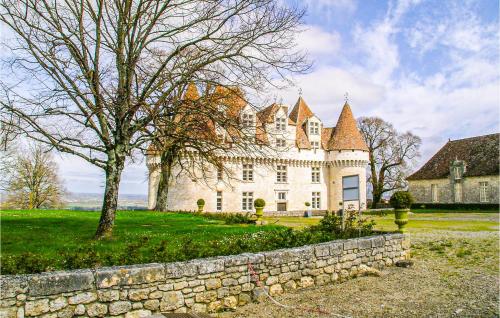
column 214, row 306
column 129, row 275
column 58, row 303
column 275, row 289
column 10, row 286
column 97, row 310
column 236, row 260
column 336, row 249
column 350, row 244
column 142, row 313
column 119, row 307
column 230, row 302
column 213, row 283
column 171, row 301
column 180, row 269
column 229, row 282
column 199, row 308
column 60, row 282
column 378, row 241
column 271, row 280
column 36, row 307
column 138, row 294
column 209, row 266
column 82, row 298
column 244, row 299
column 322, row 279
column 322, row 250
column 290, row 285
column 152, row 304
column 364, row 244
column 306, row 282
column 80, row 310
column 66, row 312
column 9, row 312
column 108, row 295
column 259, row 295
column 180, row 285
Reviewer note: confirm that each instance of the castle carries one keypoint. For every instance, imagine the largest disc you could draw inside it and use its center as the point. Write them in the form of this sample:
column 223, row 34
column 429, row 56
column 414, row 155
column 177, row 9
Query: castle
column 323, row 166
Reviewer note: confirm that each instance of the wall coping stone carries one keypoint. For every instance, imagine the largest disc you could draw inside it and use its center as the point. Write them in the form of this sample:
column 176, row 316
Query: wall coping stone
column 52, row 283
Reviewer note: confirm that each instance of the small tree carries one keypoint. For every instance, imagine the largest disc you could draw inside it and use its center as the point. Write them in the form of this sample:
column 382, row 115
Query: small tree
column 32, row 181
column 390, row 155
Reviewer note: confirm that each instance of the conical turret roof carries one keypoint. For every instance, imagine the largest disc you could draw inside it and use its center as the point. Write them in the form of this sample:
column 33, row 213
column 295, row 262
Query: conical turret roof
column 299, row 114
column 346, row 135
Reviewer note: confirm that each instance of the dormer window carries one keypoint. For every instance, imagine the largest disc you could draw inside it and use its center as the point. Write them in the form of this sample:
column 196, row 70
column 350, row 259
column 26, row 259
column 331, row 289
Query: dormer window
column 247, row 120
column 280, row 143
column 281, row 124
column 314, row 128
column 315, row 145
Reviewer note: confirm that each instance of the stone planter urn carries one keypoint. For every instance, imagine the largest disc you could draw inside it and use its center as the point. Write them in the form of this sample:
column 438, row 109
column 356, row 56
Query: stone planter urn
column 401, row 219
column 259, row 205
column 401, row 202
column 201, row 204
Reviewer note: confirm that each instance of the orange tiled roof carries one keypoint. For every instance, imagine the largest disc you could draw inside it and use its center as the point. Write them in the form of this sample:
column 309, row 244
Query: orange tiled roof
column 299, row 114
column 346, row 135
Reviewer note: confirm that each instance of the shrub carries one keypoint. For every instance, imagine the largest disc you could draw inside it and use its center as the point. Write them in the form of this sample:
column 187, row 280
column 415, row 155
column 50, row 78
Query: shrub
column 401, row 200
column 200, row 202
column 458, row 206
column 307, row 204
column 353, row 225
column 259, row 203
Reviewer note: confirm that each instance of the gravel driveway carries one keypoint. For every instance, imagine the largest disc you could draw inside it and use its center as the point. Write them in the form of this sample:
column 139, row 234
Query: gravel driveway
column 455, row 275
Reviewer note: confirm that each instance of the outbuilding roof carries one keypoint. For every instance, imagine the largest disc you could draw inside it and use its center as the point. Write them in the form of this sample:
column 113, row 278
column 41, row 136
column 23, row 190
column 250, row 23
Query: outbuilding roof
column 480, row 155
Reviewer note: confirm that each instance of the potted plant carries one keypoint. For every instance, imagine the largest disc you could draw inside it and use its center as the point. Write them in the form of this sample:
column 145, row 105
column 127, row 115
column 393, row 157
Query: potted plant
column 201, row 204
column 259, row 205
column 308, row 212
column 401, row 202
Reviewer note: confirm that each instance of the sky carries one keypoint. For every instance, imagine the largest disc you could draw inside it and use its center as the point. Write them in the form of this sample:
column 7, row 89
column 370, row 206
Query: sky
column 426, row 66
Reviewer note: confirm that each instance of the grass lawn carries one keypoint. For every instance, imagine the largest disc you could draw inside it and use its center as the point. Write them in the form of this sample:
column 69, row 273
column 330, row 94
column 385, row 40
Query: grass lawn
column 52, row 232
column 419, row 222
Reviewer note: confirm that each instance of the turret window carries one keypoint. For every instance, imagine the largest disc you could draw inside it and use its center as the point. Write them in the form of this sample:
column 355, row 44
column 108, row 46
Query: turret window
column 315, row 174
column 314, row 128
column 247, row 120
column 280, row 143
column 281, row 124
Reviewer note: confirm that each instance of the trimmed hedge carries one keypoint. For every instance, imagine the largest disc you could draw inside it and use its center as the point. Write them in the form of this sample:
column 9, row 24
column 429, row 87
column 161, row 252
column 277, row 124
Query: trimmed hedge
column 457, row 206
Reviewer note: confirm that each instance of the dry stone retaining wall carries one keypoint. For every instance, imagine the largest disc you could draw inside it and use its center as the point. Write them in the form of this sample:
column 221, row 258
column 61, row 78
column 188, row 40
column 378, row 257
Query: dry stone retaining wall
column 203, row 285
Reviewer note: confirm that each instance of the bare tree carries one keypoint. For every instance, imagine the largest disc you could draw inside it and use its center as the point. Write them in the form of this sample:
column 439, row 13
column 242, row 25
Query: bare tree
column 31, row 181
column 95, row 70
column 391, row 155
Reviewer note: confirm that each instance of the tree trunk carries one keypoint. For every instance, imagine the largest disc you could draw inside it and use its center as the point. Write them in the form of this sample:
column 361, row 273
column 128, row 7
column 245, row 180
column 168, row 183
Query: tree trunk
column 113, row 174
column 166, row 163
column 377, row 196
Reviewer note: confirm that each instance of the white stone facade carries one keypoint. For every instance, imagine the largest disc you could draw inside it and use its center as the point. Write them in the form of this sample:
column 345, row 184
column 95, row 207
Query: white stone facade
column 282, row 191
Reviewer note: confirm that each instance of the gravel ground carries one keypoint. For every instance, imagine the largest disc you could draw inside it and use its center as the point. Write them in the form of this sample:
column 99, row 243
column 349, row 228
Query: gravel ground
column 455, row 274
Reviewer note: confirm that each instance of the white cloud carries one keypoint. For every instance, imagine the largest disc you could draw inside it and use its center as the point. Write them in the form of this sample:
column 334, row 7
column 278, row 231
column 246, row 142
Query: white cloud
column 317, row 42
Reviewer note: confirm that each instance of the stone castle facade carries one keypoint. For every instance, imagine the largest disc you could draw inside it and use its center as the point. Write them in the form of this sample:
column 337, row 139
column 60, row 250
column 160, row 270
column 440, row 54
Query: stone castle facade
column 312, row 163
column 463, row 171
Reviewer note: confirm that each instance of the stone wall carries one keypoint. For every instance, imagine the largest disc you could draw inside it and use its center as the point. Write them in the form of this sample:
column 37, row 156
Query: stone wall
column 421, row 189
column 203, row 285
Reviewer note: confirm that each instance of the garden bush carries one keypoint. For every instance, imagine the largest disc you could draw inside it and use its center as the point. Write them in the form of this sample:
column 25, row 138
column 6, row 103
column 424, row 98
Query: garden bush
column 200, row 202
column 401, row 200
column 259, row 203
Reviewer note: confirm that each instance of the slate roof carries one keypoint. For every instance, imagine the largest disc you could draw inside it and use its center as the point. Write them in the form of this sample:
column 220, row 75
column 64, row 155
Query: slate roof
column 481, row 156
column 299, row 115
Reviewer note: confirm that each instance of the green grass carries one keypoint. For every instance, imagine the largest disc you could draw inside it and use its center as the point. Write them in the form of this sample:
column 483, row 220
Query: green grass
column 419, row 222
column 51, row 232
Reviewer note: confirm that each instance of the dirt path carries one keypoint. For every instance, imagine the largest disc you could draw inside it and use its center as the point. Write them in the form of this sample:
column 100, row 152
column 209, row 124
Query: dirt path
column 455, row 275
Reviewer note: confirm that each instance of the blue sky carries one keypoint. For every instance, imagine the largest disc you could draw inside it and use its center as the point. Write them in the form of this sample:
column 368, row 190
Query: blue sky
column 427, row 66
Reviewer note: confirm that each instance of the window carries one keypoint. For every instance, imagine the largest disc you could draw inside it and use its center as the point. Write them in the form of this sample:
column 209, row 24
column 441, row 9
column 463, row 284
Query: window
column 281, row 175
column 281, row 124
column 315, row 145
column 458, row 192
column 350, row 187
column 247, row 172
column 219, row 201
column 434, row 192
column 219, row 173
column 316, row 200
column 247, row 120
column 483, row 191
column 280, row 143
column 315, row 174
column 314, row 128
column 282, row 196
column 247, row 201
column 457, row 172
